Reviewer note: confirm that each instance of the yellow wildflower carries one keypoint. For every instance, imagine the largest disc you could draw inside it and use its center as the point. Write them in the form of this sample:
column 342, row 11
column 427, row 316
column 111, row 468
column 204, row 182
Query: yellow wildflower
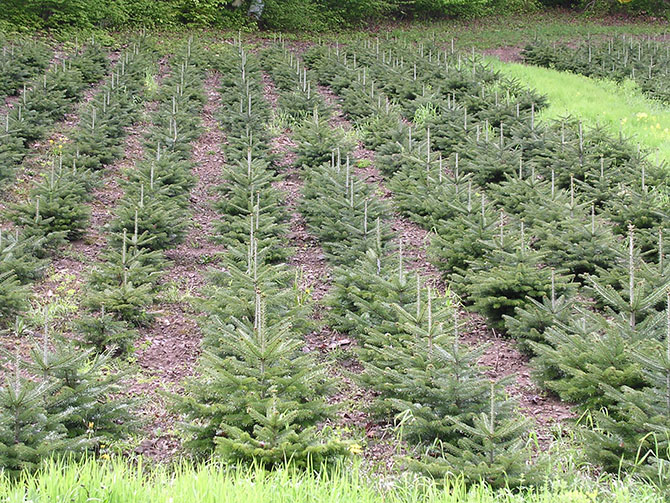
column 355, row 449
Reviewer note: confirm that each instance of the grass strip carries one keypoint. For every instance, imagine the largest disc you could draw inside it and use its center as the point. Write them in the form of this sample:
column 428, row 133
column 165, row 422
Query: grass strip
column 621, row 107
column 517, row 29
column 118, row 481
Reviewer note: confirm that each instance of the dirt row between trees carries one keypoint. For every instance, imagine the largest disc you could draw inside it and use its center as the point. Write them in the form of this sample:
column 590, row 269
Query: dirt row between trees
column 168, row 349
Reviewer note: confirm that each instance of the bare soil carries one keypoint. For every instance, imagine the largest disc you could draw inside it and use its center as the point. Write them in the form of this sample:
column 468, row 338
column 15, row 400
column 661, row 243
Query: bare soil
column 169, row 347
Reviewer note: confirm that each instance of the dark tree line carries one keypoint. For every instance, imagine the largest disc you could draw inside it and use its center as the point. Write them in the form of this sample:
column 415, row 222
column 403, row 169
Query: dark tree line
column 313, row 15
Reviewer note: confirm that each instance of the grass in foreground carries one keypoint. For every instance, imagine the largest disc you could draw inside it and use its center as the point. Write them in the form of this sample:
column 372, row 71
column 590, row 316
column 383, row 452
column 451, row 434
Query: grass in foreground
column 119, row 482
column 619, row 107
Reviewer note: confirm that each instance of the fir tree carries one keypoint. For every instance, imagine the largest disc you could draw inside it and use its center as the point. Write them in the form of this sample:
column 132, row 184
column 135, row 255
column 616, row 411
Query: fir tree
column 59, row 203
column 446, row 127
column 246, row 118
column 423, row 373
column 154, row 213
column 578, row 245
column 465, row 237
column 69, row 405
column 317, row 140
column 363, row 295
column 431, row 197
column 21, row 61
column 246, row 272
column 166, row 174
column 599, row 187
column 552, row 205
column 95, row 143
column 251, row 204
column 343, row 213
column 644, row 210
column 634, row 433
column 102, row 332
column 262, row 400
column 83, row 391
column 127, row 299
column 502, row 281
column 517, row 189
column 132, row 261
column 490, row 161
column 12, row 151
column 529, row 323
column 625, row 288
column 126, row 282
column 579, row 358
column 28, row 434
column 391, row 154
column 492, row 449
column 36, row 226
column 13, row 297
column 434, row 383
column 21, row 255
column 380, row 129
column 299, row 96
column 238, row 146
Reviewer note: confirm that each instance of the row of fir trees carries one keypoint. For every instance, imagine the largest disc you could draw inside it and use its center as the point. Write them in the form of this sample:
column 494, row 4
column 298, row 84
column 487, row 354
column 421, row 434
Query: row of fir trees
column 407, row 332
column 555, row 233
column 60, row 398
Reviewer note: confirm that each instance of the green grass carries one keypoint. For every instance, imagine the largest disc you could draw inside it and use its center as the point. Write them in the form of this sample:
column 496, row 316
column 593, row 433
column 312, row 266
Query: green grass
column 518, row 29
column 116, row 481
column 485, row 33
column 488, row 32
column 619, row 107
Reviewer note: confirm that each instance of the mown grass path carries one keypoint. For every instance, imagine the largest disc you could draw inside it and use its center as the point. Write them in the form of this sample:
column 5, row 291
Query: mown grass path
column 619, row 107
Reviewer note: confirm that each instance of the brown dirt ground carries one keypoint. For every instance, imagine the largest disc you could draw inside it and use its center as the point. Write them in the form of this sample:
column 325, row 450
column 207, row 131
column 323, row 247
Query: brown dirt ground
column 511, row 54
column 169, row 348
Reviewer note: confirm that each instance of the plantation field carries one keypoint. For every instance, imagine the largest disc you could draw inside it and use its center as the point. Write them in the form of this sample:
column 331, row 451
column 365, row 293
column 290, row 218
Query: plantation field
column 424, row 273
